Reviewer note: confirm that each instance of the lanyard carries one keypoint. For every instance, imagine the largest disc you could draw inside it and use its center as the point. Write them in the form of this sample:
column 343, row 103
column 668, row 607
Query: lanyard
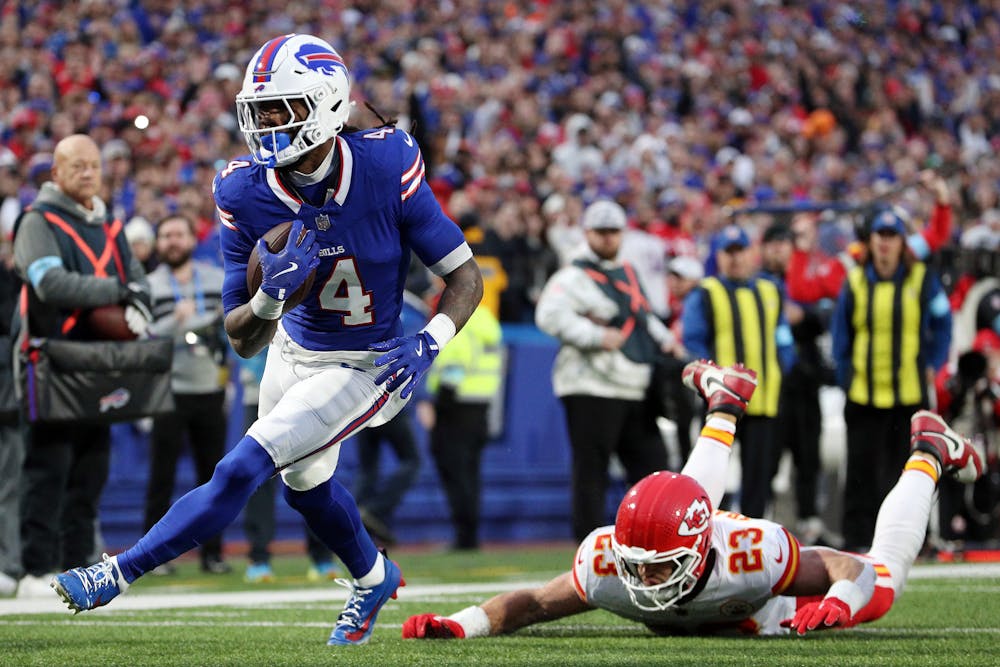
column 199, row 295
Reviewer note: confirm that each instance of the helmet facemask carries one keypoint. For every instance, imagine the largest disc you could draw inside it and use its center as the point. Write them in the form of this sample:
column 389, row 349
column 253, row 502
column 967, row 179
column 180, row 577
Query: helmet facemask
column 664, row 519
column 656, row 597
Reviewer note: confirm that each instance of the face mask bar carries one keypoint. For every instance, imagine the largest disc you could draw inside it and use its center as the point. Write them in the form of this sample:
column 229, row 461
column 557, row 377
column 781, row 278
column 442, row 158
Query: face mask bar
column 269, row 146
column 659, row 596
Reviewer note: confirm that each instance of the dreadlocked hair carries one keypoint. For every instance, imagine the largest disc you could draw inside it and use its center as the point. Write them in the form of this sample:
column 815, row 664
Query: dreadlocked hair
column 391, row 122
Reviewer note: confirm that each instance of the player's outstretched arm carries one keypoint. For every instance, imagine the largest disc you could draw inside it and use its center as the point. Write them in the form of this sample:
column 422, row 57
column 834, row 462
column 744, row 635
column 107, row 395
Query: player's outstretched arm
column 846, row 582
column 501, row 614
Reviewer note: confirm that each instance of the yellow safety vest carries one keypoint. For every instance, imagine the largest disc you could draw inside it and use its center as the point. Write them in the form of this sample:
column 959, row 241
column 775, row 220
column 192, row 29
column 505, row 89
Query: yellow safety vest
column 472, row 362
column 745, row 324
column 886, row 347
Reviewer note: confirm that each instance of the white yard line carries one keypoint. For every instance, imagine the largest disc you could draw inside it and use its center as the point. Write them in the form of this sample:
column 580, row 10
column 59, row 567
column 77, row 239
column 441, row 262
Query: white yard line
column 139, row 600
column 260, row 597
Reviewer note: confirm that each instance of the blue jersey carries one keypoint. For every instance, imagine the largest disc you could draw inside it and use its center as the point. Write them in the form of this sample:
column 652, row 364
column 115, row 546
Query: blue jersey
column 379, row 208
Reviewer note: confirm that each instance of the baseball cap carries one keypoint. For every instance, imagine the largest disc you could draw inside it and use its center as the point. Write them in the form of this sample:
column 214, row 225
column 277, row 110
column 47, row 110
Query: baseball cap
column 888, row 221
column 139, row 229
column 777, row 232
column 730, row 236
column 115, row 148
column 604, row 214
column 687, row 267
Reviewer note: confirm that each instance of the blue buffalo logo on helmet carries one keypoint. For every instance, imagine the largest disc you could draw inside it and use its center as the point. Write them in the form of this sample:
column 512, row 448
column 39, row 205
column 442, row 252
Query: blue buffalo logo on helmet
column 316, row 57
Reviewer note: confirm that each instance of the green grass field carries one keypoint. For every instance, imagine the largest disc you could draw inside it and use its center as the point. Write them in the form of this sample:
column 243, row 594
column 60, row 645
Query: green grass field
column 939, row 621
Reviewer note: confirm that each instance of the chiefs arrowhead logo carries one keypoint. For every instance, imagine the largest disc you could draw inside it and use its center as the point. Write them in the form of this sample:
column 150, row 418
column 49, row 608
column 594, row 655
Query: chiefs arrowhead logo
column 695, row 518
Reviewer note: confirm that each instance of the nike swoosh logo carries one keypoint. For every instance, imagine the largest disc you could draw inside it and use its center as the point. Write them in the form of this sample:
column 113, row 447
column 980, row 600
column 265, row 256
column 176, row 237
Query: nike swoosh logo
column 713, row 381
column 292, row 267
column 781, row 556
column 420, row 348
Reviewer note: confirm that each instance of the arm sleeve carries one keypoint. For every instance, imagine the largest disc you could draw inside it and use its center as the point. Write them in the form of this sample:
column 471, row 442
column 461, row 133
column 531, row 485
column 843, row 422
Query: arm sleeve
column 236, row 249
column 785, row 342
column 939, row 325
column 938, row 230
column 658, row 330
column 557, row 312
column 434, row 237
column 695, row 325
column 808, row 287
column 135, row 273
column 841, row 336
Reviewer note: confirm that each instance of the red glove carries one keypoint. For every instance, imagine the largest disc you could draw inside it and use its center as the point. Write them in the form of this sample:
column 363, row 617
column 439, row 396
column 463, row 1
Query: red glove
column 432, row 626
column 828, row 611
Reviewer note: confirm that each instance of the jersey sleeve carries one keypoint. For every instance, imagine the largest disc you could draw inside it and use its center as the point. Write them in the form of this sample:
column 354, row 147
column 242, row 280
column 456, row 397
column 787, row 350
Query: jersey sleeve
column 228, row 188
column 437, row 240
column 594, row 563
column 786, row 549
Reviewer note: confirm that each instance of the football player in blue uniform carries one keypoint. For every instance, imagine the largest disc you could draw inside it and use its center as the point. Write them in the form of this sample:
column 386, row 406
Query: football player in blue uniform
column 338, row 361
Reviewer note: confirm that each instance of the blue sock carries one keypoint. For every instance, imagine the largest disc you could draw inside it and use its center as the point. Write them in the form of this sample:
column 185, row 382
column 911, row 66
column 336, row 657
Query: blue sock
column 331, row 512
column 202, row 512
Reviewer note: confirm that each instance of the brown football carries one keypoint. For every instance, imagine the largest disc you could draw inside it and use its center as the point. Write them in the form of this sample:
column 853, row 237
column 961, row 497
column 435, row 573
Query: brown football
column 108, row 323
column 276, row 238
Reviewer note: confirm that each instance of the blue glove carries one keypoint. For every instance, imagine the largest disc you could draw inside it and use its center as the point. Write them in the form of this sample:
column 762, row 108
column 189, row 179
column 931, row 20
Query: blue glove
column 408, row 358
column 284, row 271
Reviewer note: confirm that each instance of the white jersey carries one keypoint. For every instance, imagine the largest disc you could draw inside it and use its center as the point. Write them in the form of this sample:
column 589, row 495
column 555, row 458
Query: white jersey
column 754, row 562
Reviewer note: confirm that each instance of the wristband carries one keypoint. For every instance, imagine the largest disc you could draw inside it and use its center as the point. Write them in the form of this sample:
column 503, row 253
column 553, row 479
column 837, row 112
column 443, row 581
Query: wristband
column 441, row 329
column 474, row 621
column 850, row 594
column 266, row 307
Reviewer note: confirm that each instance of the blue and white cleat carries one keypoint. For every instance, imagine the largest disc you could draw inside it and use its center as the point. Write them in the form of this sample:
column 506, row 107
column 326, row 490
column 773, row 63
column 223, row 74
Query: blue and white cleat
column 84, row 588
column 356, row 622
column 259, row 573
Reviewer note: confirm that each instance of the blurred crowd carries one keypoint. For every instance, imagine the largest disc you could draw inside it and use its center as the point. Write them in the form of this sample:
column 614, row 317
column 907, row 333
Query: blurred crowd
column 528, row 111
column 690, row 115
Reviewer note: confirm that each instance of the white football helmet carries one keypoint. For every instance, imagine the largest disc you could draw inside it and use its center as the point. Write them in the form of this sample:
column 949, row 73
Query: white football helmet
column 664, row 518
column 293, row 67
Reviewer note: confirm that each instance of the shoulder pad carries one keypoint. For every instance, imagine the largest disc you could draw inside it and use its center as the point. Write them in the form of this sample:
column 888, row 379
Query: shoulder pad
column 231, row 183
column 397, row 153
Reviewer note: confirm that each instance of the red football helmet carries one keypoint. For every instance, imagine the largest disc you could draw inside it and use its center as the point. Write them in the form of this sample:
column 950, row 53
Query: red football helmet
column 664, row 518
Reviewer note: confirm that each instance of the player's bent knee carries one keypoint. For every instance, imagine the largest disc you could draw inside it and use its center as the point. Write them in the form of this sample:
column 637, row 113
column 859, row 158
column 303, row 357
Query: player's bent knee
column 243, row 469
column 305, row 480
column 316, row 470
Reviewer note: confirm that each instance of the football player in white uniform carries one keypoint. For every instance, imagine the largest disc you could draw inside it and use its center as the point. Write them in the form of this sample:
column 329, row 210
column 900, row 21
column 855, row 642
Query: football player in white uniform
column 679, row 567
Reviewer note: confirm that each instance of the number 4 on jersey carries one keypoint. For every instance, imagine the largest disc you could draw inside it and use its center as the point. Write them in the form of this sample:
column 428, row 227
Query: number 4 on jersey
column 344, row 292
